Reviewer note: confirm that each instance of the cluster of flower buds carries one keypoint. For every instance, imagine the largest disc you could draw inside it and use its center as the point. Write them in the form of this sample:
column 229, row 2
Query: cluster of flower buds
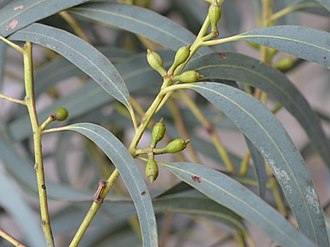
column 173, row 74
column 181, row 56
column 174, row 146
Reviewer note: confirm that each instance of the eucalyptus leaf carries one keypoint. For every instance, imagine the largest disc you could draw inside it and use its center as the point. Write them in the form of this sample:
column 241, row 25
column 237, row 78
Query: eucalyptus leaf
column 193, row 11
column 118, row 234
column 23, row 173
column 69, row 218
column 4, row 2
column 325, row 3
column 244, row 69
column 272, row 141
column 188, row 203
column 259, row 167
column 95, row 64
column 309, row 6
column 60, row 69
column 229, row 193
column 124, row 162
column 138, row 75
column 327, row 222
column 140, row 21
column 307, row 43
column 21, row 13
column 232, row 19
column 16, row 206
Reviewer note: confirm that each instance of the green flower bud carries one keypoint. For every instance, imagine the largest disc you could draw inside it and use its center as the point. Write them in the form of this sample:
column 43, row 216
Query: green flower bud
column 271, row 52
column 188, row 76
column 181, row 56
column 214, row 15
column 174, row 146
column 60, row 114
column 151, row 170
column 155, row 62
column 158, row 132
column 285, row 63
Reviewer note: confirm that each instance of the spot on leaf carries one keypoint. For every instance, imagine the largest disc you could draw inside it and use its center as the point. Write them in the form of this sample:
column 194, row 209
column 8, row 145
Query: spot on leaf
column 18, row 7
column 196, row 179
column 143, row 193
column 222, row 55
column 12, row 24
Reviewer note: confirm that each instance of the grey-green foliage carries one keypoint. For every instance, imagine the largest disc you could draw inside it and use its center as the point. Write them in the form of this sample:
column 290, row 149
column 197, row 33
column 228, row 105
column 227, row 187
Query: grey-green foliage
column 296, row 40
column 95, row 64
column 124, row 162
column 239, row 199
column 120, row 69
column 265, row 132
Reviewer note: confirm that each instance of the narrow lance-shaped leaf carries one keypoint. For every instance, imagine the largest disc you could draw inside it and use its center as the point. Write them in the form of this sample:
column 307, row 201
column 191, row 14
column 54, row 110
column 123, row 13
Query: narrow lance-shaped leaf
column 21, row 13
column 140, row 21
column 259, row 167
column 131, row 175
column 20, row 211
column 244, row 69
column 3, row 3
column 60, row 69
column 267, row 134
column 89, row 97
column 327, row 222
column 192, row 203
column 307, row 43
column 80, row 53
column 22, row 171
column 310, row 6
column 239, row 199
column 325, row 3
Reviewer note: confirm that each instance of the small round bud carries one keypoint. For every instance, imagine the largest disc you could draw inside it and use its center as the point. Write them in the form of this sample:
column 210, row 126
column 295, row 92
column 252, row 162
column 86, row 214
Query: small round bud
column 151, row 170
column 214, row 15
column 285, row 63
column 174, row 146
column 188, row 76
column 60, row 114
column 158, row 132
column 271, row 52
column 155, row 61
